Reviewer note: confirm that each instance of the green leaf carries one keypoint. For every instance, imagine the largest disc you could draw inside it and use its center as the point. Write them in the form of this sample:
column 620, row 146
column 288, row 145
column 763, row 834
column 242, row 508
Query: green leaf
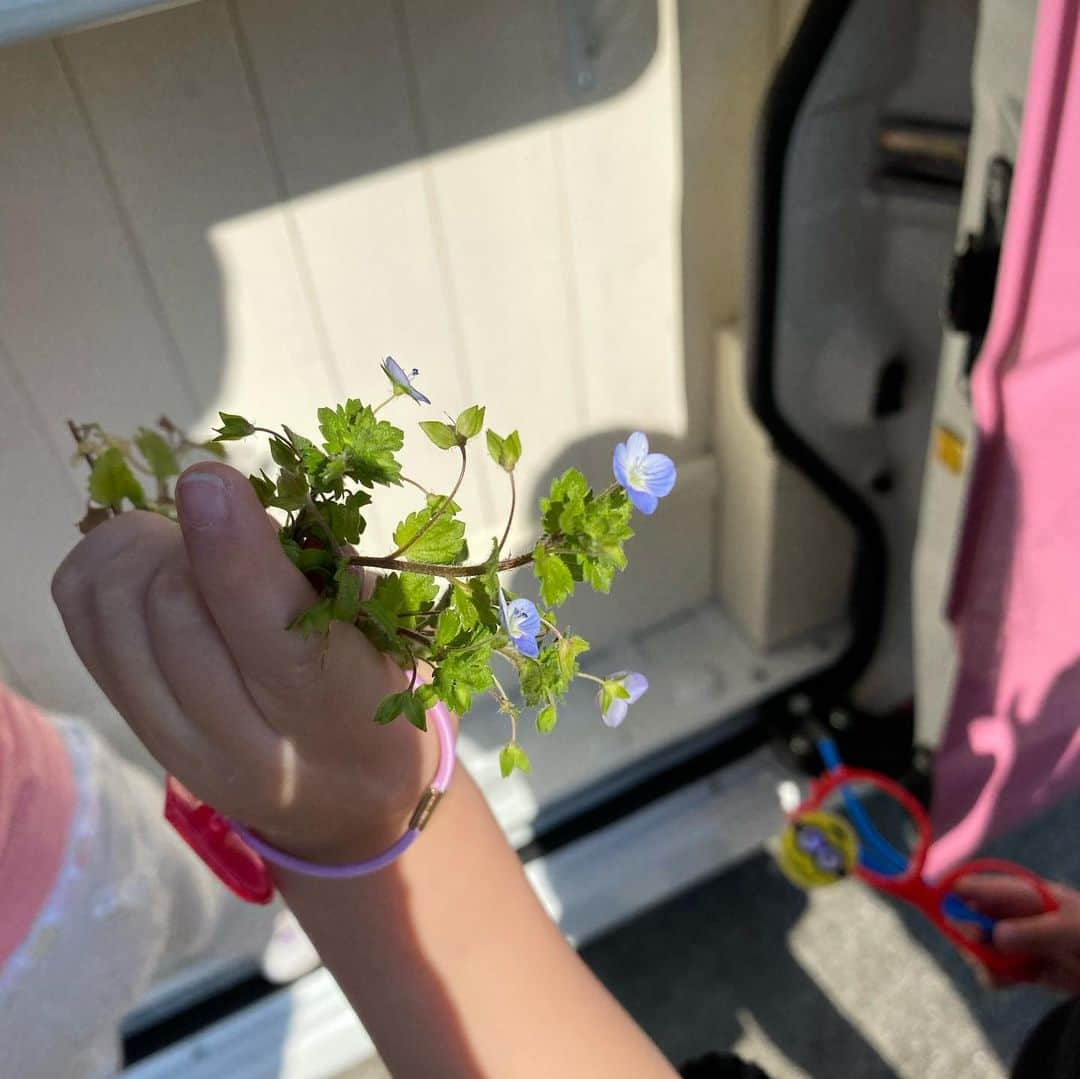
column 506, row 761
column 495, row 447
column 283, row 454
column 214, row 448
column 546, row 719
column 391, row 707
column 369, row 445
column 513, row 450
column 505, row 452
column 158, row 454
column 426, row 695
column 315, row 621
column 396, row 593
column 447, row 628
column 546, row 679
column 463, row 603
column 292, row 490
column 470, row 422
column 265, row 488
column 347, row 600
column 111, row 481
column 415, row 713
column 462, row 674
column 442, row 434
column 512, row 756
column 345, row 519
column 556, row 582
column 442, row 543
column 233, row 427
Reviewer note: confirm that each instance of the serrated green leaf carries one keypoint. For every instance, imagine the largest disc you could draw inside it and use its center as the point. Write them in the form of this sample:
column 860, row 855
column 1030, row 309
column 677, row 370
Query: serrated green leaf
column 442, row 434
column 427, row 696
column 546, row 719
column 556, row 582
column 463, row 674
column 233, row 427
column 447, row 628
column 157, row 453
column 111, row 481
column 367, row 444
column 470, row 422
column 345, row 519
column 442, row 543
column 546, row 679
column 315, row 621
column 462, row 600
column 292, row 490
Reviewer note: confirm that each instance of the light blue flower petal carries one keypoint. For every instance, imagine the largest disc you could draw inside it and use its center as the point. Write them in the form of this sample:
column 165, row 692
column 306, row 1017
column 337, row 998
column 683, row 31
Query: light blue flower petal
column 616, row 712
column 527, row 645
column 524, row 617
column 504, row 613
column 644, row 501
column 397, row 375
column 394, row 370
column 618, row 465
column 658, row 471
column 636, row 684
column 637, row 446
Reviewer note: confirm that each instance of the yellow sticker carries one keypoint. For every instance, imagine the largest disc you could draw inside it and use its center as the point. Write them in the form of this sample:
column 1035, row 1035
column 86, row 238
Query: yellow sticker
column 817, row 848
column 949, row 448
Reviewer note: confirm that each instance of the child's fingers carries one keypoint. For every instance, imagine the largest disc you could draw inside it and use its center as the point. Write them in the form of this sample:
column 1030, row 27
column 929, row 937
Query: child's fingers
column 100, row 591
column 248, row 584
column 202, row 675
column 1000, row 896
column 1045, row 935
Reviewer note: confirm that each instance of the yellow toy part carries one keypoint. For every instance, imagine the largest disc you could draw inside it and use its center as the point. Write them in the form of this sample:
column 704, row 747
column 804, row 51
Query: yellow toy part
column 817, row 848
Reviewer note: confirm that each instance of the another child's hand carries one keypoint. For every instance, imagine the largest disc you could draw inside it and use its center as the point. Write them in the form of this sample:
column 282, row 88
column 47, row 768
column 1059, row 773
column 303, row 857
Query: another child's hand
column 185, row 630
column 1052, row 940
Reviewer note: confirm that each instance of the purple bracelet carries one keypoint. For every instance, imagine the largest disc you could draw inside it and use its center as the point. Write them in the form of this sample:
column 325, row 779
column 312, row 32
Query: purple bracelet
column 444, row 727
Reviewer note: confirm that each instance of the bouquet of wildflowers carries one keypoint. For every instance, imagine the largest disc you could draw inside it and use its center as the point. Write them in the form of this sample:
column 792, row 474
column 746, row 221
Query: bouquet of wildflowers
column 434, row 607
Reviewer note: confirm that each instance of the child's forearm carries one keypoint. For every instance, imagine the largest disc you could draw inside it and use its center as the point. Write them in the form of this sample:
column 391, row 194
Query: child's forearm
column 456, row 970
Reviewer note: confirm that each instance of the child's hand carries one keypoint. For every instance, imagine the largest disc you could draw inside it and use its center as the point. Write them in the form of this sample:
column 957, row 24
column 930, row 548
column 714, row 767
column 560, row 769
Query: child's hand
column 1052, row 939
column 185, row 630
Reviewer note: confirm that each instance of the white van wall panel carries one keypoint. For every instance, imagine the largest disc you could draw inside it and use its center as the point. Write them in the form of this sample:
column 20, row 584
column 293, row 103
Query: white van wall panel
column 245, row 205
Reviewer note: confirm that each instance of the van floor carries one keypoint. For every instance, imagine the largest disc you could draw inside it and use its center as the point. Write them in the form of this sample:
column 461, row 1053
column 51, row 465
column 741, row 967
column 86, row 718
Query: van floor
column 840, row 982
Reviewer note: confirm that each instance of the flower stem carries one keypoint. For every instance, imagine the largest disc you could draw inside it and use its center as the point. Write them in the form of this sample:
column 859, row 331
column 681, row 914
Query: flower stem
column 415, row 483
column 554, row 628
column 513, row 506
column 591, row 678
column 439, row 512
column 432, row 570
column 382, row 404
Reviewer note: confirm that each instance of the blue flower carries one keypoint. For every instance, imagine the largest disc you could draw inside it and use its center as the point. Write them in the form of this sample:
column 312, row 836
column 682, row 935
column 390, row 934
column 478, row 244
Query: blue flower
column 401, row 381
column 521, row 620
column 633, row 683
column 647, row 477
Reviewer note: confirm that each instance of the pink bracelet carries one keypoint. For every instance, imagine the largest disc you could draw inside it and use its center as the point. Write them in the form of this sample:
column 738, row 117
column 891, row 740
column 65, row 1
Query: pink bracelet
column 444, row 727
column 238, row 858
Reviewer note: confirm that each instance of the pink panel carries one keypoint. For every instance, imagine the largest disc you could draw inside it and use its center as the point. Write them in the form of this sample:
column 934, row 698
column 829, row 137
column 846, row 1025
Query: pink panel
column 1012, row 745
